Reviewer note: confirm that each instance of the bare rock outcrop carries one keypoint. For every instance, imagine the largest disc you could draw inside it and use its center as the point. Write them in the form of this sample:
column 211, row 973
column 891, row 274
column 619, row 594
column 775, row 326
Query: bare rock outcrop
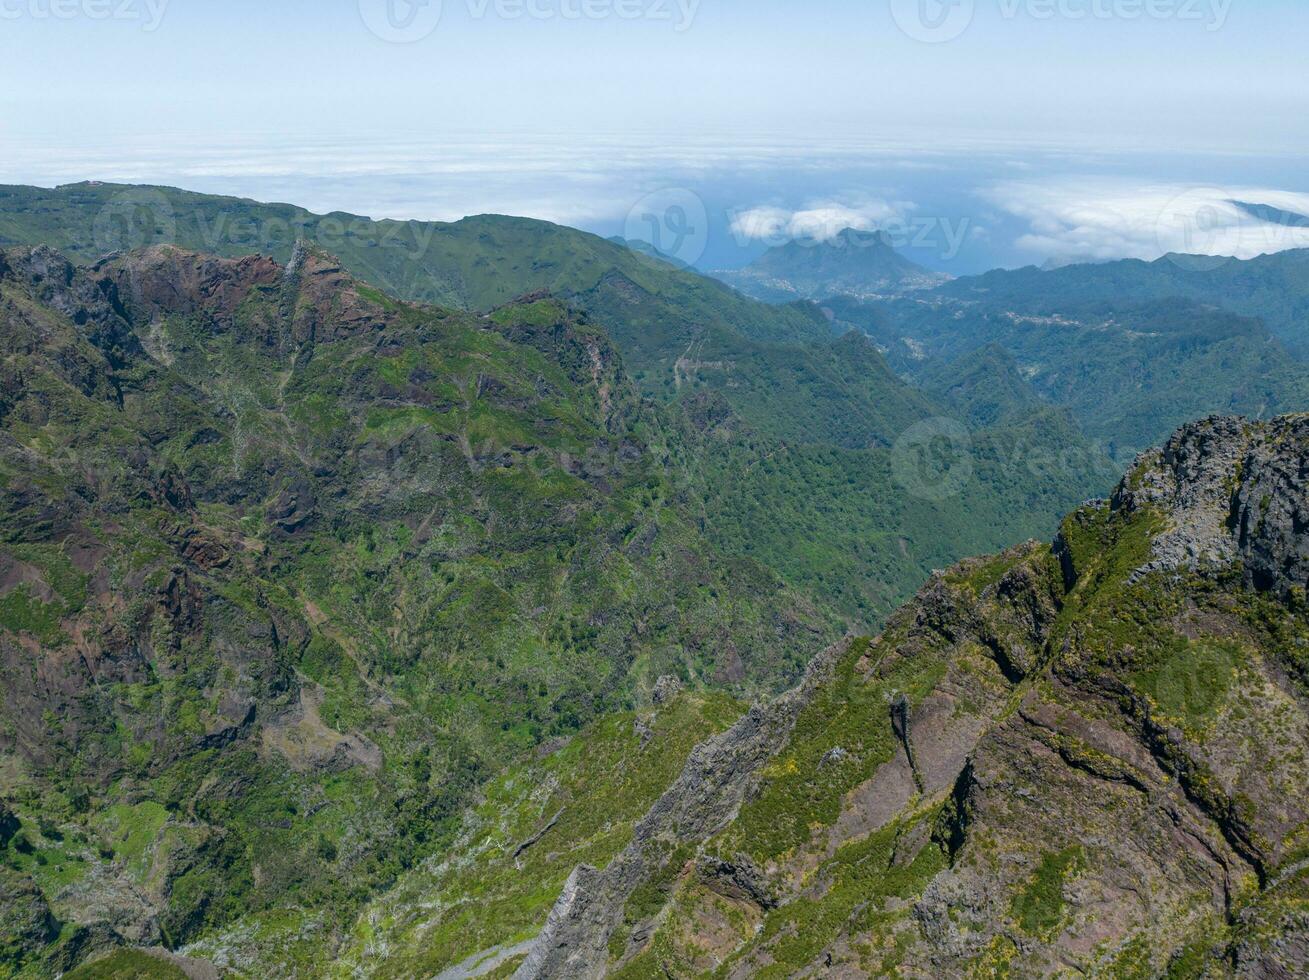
column 1231, row 490
column 705, row 798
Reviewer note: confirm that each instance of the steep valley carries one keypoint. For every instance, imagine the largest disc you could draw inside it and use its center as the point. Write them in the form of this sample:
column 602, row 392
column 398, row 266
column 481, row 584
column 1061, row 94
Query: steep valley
column 558, row 632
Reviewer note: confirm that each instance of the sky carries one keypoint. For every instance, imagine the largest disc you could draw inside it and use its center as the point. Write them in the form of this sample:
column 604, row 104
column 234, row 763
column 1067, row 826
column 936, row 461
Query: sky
column 1020, row 130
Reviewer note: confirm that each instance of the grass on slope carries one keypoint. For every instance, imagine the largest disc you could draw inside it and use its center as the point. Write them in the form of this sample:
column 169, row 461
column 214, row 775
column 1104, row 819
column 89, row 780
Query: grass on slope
column 535, row 823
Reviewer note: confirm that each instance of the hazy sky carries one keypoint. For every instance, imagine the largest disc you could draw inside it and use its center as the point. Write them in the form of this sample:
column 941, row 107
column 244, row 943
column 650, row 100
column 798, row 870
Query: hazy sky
column 1224, row 73
column 1045, row 129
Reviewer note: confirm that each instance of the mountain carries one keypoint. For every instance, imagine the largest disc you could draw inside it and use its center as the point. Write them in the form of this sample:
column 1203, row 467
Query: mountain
column 677, row 330
column 347, row 635
column 648, row 250
column 790, row 432
column 1132, row 349
column 1128, row 371
column 986, row 387
column 1083, row 757
column 478, row 263
column 855, row 263
column 1272, row 288
column 289, row 569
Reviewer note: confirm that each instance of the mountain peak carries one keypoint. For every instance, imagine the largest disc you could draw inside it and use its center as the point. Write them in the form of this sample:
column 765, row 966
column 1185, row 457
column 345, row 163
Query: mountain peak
column 860, row 263
column 852, row 238
column 1229, row 491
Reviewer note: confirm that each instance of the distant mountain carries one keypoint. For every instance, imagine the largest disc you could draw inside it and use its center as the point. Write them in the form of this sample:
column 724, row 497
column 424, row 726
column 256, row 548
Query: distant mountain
column 1272, row 288
column 1274, row 215
column 854, row 263
column 648, row 250
column 1132, row 349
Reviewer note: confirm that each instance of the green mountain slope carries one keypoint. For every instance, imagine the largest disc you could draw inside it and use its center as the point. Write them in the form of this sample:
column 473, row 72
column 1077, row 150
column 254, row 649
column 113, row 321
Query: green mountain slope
column 478, row 263
column 1087, row 756
column 985, row 387
column 794, row 390
column 288, row 569
column 657, row 314
column 1273, row 288
column 1128, row 372
column 864, row 527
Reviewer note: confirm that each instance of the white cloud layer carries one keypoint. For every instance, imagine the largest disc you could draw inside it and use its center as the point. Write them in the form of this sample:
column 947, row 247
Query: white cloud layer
column 820, row 221
column 1094, row 219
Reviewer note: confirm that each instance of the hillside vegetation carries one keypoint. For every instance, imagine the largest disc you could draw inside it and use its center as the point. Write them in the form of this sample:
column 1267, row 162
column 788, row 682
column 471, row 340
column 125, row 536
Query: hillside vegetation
column 764, row 395
column 1086, row 756
column 289, row 569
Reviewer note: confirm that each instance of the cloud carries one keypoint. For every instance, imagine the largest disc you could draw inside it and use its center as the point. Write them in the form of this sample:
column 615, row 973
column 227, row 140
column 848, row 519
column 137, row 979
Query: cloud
column 1096, row 219
column 819, row 221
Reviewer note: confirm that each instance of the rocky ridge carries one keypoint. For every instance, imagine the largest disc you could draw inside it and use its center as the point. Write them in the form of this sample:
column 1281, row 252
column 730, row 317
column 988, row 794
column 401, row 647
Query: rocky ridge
column 1233, row 492
column 718, row 776
column 1080, row 757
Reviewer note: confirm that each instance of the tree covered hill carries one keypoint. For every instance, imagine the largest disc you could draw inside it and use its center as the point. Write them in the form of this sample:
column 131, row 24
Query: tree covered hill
column 1128, row 371
column 1273, row 288
column 805, row 471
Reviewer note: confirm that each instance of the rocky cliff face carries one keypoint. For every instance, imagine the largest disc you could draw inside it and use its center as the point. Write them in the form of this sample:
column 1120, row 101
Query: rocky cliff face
column 1233, row 492
column 718, row 777
column 1088, row 757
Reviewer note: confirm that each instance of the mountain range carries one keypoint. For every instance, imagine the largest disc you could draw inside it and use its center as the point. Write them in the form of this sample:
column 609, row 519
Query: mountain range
column 1084, row 756
column 767, row 397
column 487, row 598
column 292, row 568
column 1131, row 349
